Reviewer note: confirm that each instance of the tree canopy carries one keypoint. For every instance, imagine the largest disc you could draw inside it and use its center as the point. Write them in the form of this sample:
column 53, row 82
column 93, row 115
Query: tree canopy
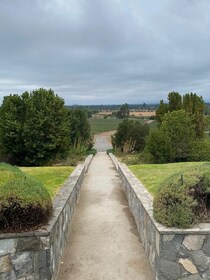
column 130, row 136
column 172, row 142
column 191, row 103
column 36, row 127
column 123, row 111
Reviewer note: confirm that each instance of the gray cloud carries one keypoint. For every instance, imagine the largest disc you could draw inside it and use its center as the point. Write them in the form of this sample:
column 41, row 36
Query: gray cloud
column 111, row 51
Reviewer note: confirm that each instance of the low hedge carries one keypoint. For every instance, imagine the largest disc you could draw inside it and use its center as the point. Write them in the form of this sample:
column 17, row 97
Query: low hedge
column 24, row 201
column 183, row 198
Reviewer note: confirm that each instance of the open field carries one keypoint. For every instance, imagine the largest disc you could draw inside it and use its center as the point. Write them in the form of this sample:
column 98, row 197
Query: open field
column 132, row 113
column 151, row 175
column 52, row 177
column 142, row 114
column 104, row 125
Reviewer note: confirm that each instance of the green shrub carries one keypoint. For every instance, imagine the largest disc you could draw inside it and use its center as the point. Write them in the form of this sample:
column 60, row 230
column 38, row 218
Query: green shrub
column 130, row 136
column 183, row 198
column 108, row 151
column 200, row 151
column 24, row 202
column 92, row 152
column 173, row 208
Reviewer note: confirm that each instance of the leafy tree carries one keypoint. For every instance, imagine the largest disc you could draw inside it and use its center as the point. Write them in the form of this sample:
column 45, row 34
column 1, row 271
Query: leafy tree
column 195, row 106
column 123, row 112
column 191, row 103
column 79, row 130
column 130, row 136
column 156, row 145
column 12, row 115
column 172, row 141
column 33, row 127
column 207, row 109
column 161, row 111
column 174, row 101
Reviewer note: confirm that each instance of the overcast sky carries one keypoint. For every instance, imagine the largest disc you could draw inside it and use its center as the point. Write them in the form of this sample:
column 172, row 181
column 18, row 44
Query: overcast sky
column 105, row 51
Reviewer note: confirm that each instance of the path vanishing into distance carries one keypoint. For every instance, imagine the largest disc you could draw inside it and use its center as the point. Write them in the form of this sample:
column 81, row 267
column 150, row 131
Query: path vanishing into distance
column 103, row 242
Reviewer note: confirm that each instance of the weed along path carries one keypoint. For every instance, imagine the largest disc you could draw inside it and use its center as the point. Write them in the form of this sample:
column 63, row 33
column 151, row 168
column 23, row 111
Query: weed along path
column 103, row 242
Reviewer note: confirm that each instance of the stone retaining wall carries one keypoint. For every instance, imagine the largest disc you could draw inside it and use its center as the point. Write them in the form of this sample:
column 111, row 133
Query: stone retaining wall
column 174, row 254
column 36, row 255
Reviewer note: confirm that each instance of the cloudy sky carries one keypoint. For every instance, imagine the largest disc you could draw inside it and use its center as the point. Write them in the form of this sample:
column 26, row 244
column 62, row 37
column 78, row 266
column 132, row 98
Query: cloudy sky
column 105, row 51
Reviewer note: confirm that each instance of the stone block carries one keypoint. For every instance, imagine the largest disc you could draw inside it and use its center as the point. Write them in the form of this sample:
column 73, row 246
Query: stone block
column 168, row 237
column 168, row 251
column 188, row 266
column 169, row 270
column 5, row 264
column 23, row 263
column 194, row 242
column 8, row 246
column 29, row 244
column 177, row 240
column 201, row 260
column 8, row 276
column 183, row 252
column 45, row 274
column 206, row 246
column 45, row 242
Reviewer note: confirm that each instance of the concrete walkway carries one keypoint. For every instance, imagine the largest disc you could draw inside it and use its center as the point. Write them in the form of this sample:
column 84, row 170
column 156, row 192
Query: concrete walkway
column 103, row 242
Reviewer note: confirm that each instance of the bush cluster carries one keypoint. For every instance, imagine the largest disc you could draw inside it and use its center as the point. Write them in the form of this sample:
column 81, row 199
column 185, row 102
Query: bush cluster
column 183, row 198
column 130, row 136
column 24, row 201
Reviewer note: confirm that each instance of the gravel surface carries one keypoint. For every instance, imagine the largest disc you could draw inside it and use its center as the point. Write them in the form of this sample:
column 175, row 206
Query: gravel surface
column 103, row 141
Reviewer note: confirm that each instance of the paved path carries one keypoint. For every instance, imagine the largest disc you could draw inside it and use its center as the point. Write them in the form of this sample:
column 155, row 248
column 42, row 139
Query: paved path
column 103, row 141
column 103, row 242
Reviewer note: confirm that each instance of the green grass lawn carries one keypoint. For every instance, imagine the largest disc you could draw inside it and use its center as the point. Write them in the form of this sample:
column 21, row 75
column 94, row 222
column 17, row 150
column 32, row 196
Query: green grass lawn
column 52, row 177
column 103, row 125
column 151, row 175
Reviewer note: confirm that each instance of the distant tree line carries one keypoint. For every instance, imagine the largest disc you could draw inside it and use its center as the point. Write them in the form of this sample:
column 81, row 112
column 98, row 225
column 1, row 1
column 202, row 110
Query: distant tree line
column 114, row 107
column 36, row 127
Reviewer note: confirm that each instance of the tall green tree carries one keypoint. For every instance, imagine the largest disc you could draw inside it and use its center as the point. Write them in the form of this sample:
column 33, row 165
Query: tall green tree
column 123, row 111
column 35, row 129
column 130, row 136
column 195, row 106
column 79, row 130
column 174, row 101
column 172, row 142
column 191, row 103
column 161, row 111
column 12, row 116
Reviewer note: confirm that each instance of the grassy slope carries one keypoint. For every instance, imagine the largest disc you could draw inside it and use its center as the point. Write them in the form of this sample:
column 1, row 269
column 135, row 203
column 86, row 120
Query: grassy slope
column 103, row 125
column 151, row 175
column 52, row 177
